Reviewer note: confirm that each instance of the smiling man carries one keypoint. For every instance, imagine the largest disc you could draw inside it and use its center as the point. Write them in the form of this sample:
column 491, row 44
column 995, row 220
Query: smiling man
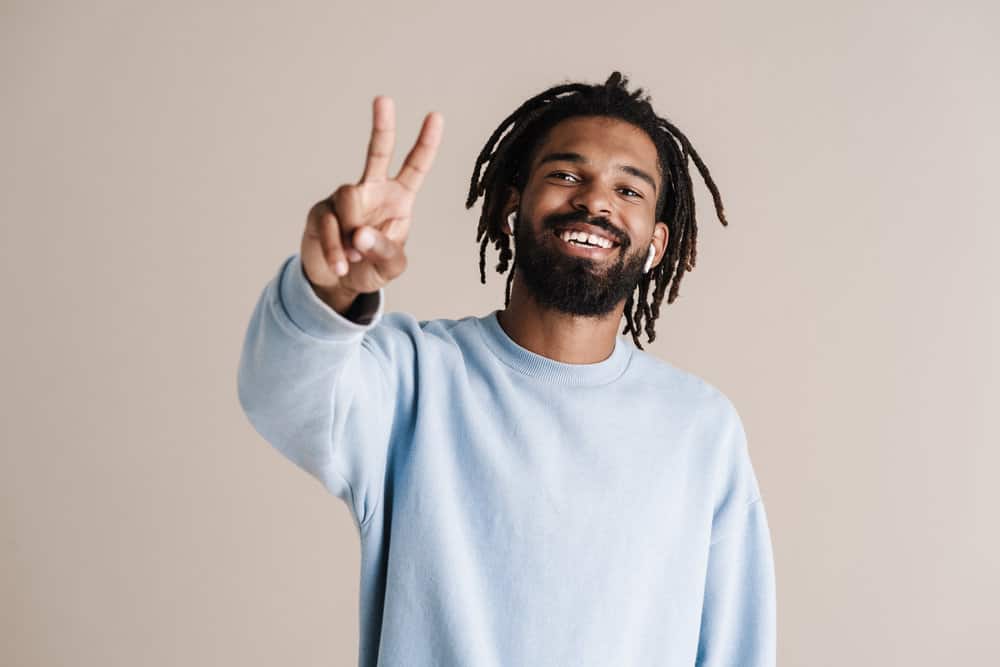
column 529, row 487
column 575, row 267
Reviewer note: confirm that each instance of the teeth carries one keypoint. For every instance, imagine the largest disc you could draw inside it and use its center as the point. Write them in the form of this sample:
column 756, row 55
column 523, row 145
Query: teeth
column 584, row 237
column 597, row 240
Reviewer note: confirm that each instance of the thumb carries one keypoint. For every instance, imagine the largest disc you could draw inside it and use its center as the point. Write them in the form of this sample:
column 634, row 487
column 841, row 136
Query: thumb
column 386, row 255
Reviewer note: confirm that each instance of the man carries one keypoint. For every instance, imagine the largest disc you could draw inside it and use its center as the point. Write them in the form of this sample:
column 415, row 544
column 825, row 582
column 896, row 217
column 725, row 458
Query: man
column 528, row 487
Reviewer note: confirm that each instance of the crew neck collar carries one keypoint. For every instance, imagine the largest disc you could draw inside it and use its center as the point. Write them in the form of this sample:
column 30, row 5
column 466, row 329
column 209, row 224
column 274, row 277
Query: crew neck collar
column 539, row 366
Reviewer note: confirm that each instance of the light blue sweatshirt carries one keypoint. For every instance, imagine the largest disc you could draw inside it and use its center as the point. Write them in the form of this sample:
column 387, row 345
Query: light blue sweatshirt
column 512, row 509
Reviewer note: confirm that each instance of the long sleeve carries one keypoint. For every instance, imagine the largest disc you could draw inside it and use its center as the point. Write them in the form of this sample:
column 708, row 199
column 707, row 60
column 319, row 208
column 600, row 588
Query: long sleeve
column 738, row 626
column 322, row 389
column 738, row 621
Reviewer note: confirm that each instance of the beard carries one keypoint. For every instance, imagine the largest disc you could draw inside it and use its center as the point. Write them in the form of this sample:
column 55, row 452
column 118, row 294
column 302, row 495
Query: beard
column 569, row 284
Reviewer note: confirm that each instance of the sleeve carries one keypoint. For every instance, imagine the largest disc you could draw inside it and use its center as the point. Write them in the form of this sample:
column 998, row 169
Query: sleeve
column 738, row 620
column 322, row 389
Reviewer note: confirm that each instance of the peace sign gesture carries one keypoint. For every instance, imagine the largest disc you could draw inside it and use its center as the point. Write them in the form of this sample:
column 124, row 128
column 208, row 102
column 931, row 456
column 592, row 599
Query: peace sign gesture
column 353, row 240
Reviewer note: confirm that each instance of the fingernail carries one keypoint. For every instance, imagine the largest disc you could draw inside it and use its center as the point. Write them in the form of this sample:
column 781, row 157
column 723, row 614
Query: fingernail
column 341, row 267
column 354, row 256
column 364, row 239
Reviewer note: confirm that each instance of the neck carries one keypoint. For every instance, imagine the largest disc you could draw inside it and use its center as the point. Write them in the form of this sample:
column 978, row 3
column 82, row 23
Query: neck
column 571, row 339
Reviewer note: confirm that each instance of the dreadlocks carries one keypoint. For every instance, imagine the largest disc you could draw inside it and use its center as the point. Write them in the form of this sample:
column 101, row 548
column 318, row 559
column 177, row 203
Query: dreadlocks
column 510, row 161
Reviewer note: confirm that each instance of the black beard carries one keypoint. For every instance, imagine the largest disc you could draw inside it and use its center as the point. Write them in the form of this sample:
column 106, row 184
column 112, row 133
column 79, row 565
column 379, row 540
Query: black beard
column 568, row 284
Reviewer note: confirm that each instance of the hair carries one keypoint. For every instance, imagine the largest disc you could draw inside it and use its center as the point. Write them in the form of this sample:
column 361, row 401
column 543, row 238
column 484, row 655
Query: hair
column 510, row 161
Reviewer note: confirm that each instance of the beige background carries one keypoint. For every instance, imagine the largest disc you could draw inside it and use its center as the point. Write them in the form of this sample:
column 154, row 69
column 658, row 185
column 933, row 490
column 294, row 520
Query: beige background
column 158, row 163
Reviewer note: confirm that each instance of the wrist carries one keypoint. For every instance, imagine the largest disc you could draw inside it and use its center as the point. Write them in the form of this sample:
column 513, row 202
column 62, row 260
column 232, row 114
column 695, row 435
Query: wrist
column 340, row 299
column 359, row 307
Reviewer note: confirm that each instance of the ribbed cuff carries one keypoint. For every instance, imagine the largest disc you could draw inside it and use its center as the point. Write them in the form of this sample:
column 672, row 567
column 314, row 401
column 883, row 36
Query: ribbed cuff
column 311, row 314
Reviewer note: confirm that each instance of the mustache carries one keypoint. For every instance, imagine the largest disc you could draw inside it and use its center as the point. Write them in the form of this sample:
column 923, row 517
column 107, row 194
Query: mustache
column 558, row 219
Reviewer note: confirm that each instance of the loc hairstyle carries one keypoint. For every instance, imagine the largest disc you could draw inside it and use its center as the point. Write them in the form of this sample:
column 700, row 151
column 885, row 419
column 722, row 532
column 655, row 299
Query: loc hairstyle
column 510, row 162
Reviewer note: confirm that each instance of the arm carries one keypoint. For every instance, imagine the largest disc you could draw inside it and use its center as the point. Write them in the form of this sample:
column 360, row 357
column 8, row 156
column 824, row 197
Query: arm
column 738, row 624
column 318, row 377
column 317, row 386
column 738, row 620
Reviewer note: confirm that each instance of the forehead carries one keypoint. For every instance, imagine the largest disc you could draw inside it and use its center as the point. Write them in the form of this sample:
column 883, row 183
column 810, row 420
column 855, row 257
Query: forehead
column 600, row 139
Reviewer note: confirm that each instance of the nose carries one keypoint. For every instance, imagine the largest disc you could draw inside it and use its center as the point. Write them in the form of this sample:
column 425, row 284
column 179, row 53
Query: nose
column 592, row 198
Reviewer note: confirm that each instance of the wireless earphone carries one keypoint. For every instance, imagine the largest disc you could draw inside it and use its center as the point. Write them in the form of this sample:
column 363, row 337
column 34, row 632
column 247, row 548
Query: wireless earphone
column 510, row 222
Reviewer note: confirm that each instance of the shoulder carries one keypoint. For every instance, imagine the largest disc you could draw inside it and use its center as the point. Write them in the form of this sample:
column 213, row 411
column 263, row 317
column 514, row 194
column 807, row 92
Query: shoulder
column 436, row 329
column 709, row 416
column 680, row 386
column 422, row 336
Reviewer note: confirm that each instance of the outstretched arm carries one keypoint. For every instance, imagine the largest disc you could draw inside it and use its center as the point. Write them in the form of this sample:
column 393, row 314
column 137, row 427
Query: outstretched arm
column 318, row 377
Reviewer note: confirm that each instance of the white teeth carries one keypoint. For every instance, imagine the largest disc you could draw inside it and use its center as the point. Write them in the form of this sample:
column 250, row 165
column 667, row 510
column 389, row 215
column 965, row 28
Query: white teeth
column 597, row 240
column 584, row 237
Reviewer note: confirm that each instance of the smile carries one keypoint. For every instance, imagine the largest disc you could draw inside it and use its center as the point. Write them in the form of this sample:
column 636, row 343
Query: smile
column 583, row 244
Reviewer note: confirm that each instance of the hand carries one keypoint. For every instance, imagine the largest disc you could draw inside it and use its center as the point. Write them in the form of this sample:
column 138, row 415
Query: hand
column 353, row 240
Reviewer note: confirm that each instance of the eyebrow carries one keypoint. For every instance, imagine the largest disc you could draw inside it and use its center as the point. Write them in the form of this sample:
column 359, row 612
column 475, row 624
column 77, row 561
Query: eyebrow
column 576, row 158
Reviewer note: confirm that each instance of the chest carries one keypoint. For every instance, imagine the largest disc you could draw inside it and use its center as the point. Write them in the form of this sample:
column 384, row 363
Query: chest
column 570, row 479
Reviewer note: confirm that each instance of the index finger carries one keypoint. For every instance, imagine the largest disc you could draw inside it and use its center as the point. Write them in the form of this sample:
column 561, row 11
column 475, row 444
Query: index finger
column 382, row 139
column 421, row 156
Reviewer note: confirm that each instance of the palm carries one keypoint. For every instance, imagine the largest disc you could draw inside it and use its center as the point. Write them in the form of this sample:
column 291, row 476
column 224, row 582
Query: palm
column 387, row 206
column 377, row 201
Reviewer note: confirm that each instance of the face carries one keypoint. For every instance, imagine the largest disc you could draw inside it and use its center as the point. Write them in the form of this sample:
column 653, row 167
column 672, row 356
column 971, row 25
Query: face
column 591, row 175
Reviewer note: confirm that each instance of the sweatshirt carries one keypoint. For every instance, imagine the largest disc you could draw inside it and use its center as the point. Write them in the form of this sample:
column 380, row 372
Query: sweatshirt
column 514, row 510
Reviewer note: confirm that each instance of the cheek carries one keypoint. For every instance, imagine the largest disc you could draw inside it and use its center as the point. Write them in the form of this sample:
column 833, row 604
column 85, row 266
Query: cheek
column 546, row 199
column 640, row 233
column 537, row 212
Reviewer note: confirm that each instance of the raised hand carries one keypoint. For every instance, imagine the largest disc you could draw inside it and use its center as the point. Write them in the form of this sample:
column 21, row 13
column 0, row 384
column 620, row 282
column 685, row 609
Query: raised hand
column 353, row 240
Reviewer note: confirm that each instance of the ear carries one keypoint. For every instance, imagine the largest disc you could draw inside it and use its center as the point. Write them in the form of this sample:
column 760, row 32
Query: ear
column 661, row 235
column 513, row 201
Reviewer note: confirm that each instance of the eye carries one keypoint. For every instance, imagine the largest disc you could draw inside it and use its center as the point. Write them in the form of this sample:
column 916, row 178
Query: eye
column 571, row 177
column 557, row 174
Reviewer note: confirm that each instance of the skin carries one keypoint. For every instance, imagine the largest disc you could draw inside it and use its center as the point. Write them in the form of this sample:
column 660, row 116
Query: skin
column 601, row 189
column 353, row 242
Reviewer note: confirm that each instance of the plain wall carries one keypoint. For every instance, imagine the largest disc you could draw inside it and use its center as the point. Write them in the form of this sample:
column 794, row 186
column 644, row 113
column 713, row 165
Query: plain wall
column 157, row 164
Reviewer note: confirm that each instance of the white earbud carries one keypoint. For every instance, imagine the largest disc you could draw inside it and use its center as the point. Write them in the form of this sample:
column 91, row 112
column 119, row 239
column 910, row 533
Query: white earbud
column 649, row 258
column 510, row 221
